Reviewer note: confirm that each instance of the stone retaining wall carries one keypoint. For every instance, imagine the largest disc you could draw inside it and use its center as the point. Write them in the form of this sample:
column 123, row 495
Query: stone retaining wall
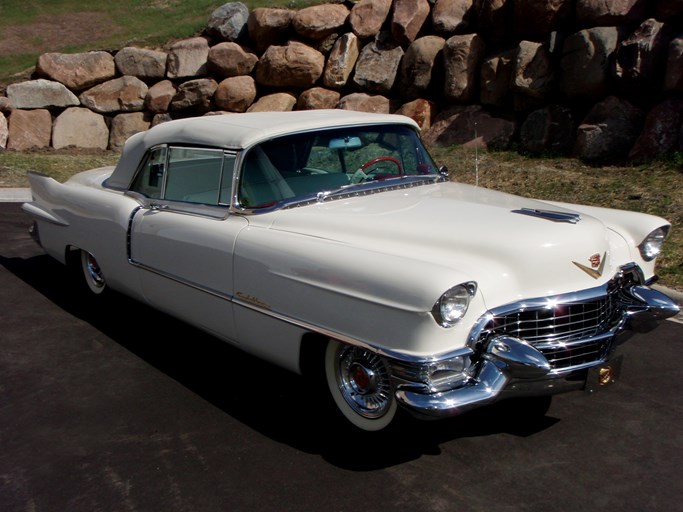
column 599, row 80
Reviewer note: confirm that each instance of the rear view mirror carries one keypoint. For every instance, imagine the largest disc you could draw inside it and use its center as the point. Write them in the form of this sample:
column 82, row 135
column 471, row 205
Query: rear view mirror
column 346, row 143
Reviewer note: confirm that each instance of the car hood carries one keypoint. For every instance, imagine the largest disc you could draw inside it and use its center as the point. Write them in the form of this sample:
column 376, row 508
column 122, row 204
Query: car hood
column 472, row 232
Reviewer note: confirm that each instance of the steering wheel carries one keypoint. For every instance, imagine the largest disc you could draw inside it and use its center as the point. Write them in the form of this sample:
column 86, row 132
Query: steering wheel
column 361, row 175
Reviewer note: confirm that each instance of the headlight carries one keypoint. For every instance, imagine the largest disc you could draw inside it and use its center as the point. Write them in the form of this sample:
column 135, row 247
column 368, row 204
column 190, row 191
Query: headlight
column 652, row 245
column 453, row 304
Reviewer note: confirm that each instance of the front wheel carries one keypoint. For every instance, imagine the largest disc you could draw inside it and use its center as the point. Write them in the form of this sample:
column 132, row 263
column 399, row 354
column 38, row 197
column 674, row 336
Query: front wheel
column 360, row 384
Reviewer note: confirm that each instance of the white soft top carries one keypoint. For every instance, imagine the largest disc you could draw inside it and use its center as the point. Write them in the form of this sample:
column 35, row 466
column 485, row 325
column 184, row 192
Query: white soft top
column 236, row 131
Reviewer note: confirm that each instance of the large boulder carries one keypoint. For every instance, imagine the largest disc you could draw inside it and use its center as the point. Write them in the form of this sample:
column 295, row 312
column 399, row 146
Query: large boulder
column 230, row 59
column 449, row 16
column 494, row 18
column 377, row 67
column 608, row 131
column 320, row 21
column 195, row 94
column 341, row 61
column 470, row 126
column 661, row 133
column 674, row 67
column 586, row 63
column 269, row 26
column 408, row 18
column 462, row 55
column 533, row 73
column 124, row 94
column 29, row 129
column 276, row 102
column 41, row 93
column 141, row 62
column 495, row 78
column 4, row 131
column 421, row 111
column 187, row 58
column 534, row 18
column 594, row 13
column 368, row 16
column 77, row 70
column 641, row 60
column 295, row 65
column 363, row 102
column 421, row 67
column 229, row 22
column 318, row 98
column 548, row 130
column 81, row 128
column 235, row 94
column 6, row 105
column 159, row 97
column 124, row 126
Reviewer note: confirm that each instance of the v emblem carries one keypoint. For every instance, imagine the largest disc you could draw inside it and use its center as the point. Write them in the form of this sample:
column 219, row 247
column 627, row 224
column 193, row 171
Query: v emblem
column 595, row 273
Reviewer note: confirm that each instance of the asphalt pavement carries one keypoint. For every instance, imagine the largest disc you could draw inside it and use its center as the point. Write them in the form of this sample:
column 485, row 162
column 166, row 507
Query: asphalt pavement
column 116, row 407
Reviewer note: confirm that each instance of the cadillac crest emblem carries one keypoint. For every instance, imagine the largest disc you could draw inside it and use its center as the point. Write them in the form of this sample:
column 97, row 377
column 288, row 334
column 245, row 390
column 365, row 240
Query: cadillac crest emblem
column 597, row 265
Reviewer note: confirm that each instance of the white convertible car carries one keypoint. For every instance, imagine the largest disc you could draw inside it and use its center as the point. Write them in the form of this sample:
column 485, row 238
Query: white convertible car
column 329, row 242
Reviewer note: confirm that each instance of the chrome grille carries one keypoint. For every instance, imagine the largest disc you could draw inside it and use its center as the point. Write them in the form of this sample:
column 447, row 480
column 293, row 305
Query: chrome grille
column 568, row 334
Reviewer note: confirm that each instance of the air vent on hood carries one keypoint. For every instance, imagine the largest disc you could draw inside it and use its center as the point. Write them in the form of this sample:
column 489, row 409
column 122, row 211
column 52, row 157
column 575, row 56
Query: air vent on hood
column 554, row 216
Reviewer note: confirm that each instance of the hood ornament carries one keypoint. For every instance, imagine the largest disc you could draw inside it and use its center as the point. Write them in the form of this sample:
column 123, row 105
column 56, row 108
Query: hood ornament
column 555, row 216
column 597, row 265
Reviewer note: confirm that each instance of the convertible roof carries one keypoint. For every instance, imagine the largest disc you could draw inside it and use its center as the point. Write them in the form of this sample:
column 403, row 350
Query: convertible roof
column 236, row 131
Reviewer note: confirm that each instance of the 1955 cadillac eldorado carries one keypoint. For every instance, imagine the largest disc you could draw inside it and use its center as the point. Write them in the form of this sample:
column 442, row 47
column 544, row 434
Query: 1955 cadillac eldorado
column 330, row 242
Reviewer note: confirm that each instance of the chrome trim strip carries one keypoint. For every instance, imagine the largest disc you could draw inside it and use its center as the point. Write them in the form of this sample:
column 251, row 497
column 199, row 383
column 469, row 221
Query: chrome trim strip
column 555, row 216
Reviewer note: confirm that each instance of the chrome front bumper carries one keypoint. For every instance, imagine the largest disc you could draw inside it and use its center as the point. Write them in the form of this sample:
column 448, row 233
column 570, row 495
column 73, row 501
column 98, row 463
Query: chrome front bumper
column 509, row 366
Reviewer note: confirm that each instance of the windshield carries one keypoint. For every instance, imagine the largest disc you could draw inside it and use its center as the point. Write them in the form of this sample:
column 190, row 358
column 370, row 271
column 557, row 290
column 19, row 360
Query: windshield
column 301, row 166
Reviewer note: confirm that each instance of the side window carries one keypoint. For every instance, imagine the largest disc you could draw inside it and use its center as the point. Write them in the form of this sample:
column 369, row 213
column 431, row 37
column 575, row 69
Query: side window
column 194, row 175
column 150, row 179
column 226, row 179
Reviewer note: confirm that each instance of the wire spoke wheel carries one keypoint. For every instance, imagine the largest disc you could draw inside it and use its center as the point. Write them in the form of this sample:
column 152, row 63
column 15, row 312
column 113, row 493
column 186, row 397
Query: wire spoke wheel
column 360, row 384
column 92, row 274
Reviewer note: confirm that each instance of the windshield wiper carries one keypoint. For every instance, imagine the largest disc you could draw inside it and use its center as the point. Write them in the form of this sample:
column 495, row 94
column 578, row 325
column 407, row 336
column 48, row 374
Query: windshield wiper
column 397, row 182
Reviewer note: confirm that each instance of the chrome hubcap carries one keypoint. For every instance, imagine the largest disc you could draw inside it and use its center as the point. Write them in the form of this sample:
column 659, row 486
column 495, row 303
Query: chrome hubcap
column 94, row 271
column 364, row 381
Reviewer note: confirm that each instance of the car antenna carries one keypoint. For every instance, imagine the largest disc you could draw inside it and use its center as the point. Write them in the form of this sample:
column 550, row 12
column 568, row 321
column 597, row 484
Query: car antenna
column 476, row 156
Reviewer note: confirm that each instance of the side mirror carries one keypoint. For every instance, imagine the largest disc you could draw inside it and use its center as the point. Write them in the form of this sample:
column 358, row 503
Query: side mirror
column 443, row 171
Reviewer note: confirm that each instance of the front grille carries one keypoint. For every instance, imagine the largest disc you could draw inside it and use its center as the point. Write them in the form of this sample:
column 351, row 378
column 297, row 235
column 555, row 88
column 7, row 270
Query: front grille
column 568, row 334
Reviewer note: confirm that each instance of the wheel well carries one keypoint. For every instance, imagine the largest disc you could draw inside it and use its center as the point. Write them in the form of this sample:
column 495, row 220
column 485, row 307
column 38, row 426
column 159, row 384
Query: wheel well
column 71, row 255
column 311, row 354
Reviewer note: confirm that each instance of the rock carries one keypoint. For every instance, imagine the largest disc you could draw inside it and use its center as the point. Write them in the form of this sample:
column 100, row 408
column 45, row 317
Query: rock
column 586, row 62
column 533, row 73
column 594, row 13
column 159, row 97
column 534, row 18
column 641, row 60
column 194, row 94
column 6, row 105
column 4, row 131
column 124, row 126
column 362, row 102
column 368, row 16
column 77, row 70
column 661, row 132
column 449, row 16
column 341, row 61
column 187, row 58
column 230, row 59
column 277, row 102
column 269, row 26
column 495, row 79
column 419, row 67
column 470, row 126
column 318, row 98
column 608, row 132
column 421, row 111
column 40, row 93
column 666, row 10
column 142, row 63
column 319, row 21
column 294, row 65
column 29, row 129
column 160, row 118
column 229, row 22
column 80, row 127
column 125, row 94
column 462, row 55
column 674, row 67
column 408, row 18
column 235, row 94
column 377, row 67
column 548, row 130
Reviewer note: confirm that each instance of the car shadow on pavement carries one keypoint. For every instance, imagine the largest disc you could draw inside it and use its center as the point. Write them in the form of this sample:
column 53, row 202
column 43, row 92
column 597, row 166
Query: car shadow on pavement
column 297, row 413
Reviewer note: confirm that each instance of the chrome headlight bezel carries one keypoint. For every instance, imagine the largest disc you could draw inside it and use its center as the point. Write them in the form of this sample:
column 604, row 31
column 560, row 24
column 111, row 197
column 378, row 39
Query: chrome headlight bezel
column 453, row 304
column 651, row 246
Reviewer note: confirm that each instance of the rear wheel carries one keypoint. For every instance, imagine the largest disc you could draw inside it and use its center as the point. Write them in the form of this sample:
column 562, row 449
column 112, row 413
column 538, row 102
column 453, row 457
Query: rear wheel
column 360, row 384
column 92, row 274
